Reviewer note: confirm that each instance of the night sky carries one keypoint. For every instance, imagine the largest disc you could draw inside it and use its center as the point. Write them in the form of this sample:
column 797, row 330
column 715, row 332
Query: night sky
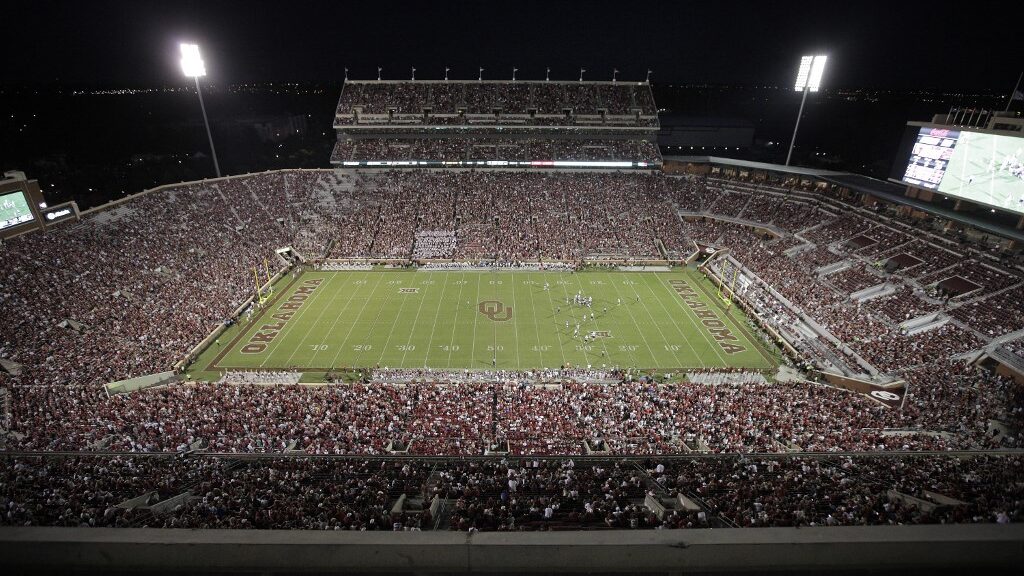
column 890, row 44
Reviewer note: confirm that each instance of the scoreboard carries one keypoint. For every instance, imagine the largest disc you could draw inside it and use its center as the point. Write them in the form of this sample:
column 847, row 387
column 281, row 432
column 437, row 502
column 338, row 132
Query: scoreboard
column 20, row 199
column 930, row 157
column 14, row 210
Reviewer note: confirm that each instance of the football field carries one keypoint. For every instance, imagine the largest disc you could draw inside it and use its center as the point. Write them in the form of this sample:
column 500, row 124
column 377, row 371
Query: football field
column 321, row 321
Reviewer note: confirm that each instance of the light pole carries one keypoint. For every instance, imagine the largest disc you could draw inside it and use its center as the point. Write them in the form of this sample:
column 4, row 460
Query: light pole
column 808, row 79
column 193, row 66
column 582, row 70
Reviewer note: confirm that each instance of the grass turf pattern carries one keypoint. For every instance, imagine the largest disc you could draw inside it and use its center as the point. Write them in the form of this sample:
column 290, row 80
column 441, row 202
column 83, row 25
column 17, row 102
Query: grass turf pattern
column 498, row 319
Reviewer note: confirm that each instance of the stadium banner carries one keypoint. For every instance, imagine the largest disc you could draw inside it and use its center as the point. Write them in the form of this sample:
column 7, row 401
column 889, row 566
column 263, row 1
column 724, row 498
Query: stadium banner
column 496, row 164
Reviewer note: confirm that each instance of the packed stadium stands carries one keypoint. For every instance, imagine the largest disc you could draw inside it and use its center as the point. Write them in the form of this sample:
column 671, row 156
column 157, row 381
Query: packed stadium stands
column 846, row 288
column 508, row 494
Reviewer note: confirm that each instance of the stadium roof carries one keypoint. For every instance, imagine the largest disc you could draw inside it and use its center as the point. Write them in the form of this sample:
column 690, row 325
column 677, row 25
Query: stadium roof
column 887, row 191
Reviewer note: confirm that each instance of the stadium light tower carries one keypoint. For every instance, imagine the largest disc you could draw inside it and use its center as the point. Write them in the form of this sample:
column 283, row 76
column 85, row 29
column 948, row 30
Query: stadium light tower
column 193, row 66
column 808, row 79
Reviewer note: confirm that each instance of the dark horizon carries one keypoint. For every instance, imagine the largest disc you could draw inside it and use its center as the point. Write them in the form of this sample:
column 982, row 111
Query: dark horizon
column 873, row 45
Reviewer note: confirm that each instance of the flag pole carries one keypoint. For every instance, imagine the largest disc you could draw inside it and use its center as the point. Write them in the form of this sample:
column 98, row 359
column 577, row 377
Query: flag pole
column 1014, row 93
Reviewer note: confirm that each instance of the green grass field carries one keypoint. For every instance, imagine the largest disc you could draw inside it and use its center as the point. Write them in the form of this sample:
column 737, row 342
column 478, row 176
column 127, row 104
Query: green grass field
column 323, row 321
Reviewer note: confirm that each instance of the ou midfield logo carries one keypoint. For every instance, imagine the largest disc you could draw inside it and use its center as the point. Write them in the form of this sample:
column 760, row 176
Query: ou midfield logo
column 495, row 310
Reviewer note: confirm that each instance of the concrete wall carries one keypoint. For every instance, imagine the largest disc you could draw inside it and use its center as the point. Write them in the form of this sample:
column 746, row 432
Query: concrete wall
column 969, row 548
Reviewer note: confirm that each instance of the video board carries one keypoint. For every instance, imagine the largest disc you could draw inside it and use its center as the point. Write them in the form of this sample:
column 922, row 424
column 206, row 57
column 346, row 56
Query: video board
column 987, row 169
column 983, row 168
column 930, row 156
column 14, row 210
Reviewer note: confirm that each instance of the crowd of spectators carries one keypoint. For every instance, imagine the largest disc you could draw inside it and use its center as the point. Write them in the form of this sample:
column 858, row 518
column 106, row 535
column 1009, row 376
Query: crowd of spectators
column 510, row 98
column 525, row 149
column 948, row 406
column 508, row 494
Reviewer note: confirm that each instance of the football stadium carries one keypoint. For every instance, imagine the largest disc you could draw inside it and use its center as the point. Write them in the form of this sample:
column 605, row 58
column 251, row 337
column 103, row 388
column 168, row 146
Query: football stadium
column 507, row 332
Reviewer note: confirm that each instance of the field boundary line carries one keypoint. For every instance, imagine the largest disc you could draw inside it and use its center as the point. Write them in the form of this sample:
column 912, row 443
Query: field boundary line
column 515, row 322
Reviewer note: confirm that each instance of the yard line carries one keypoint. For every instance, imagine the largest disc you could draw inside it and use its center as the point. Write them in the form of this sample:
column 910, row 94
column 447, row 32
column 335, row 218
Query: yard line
column 662, row 332
column 380, row 278
column 536, row 328
column 398, row 317
column 436, row 314
column 475, row 319
column 455, row 325
column 691, row 316
column 636, row 364
column 515, row 321
column 555, row 320
column 606, row 355
column 573, row 314
column 312, row 361
column 295, row 319
column 412, row 328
